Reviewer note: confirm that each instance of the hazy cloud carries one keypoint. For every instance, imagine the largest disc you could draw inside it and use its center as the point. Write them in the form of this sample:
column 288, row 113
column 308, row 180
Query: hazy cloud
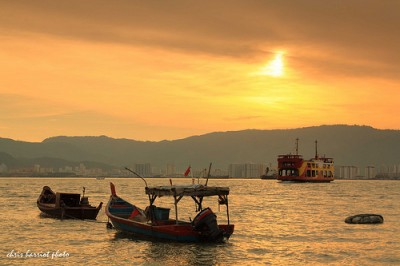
column 352, row 29
column 185, row 66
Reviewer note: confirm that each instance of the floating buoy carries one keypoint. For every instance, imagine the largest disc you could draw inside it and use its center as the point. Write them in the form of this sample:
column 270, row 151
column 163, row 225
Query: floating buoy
column 364, row 219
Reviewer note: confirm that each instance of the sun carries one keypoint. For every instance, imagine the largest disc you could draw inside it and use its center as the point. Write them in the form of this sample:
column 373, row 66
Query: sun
column 275, row 67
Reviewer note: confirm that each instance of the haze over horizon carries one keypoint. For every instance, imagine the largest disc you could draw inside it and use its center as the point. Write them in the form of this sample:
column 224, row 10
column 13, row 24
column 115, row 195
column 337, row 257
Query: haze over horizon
column 168, row 70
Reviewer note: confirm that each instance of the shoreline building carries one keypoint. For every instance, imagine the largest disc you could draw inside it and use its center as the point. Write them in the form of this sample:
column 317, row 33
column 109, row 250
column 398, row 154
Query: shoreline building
column 370, row 172
column 246, row 170
column 348, row 172
column 143, row 169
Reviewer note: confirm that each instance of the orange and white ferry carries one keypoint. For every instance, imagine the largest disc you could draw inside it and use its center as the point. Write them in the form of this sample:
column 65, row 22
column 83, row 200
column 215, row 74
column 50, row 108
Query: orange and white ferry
column 295, row 168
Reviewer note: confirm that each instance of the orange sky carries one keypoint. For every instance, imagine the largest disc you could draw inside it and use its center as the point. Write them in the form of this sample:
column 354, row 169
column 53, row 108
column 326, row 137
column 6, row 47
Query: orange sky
column 154, row 70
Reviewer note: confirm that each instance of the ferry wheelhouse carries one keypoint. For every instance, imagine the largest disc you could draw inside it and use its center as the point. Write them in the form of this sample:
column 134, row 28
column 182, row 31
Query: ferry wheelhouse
column 295, row 168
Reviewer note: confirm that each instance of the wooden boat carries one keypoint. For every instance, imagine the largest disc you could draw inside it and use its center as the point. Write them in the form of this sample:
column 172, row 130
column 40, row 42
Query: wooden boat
column 295, row 168
column 66, row 205
column 154, row 222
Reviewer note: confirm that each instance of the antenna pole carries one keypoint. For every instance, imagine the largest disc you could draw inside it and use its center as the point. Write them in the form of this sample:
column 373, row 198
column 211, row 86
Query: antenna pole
column 136, row 175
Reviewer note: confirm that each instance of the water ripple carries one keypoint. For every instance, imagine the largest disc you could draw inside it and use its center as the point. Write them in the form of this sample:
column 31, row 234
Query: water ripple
column 275, row 224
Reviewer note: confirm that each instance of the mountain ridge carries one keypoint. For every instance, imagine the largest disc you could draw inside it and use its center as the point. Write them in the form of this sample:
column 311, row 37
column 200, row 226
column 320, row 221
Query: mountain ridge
column 347, row 144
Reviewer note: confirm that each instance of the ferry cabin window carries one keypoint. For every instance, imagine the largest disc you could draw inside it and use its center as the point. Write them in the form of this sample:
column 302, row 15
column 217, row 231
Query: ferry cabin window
column 288, row 164
column 327, row 173
column 288, row 172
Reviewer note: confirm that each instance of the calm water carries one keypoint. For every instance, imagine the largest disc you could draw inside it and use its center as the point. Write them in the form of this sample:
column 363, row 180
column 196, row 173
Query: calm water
column 275, row 224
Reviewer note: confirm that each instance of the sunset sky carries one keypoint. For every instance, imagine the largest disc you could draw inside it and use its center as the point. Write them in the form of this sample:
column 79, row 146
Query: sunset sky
column 154, row 70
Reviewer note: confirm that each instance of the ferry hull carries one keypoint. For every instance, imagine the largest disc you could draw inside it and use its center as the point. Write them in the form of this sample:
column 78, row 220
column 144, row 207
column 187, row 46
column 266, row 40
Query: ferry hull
column 304, row 179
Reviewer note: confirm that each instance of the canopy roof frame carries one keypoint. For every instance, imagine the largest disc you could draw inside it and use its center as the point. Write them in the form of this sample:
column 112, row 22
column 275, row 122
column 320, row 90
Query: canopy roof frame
column 196, row 192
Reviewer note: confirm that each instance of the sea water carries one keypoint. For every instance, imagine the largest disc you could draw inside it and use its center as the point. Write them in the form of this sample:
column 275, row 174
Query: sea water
column 275, row 224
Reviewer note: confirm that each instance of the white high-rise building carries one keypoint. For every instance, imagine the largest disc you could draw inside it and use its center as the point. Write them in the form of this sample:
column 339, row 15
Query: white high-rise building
column 349, row 172
column 370, row 172
column 247, row 170
column 143, row 169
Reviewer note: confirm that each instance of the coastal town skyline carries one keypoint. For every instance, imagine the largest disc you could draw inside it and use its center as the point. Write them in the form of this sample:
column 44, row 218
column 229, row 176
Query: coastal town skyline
column 356, row 151
column 168, row 70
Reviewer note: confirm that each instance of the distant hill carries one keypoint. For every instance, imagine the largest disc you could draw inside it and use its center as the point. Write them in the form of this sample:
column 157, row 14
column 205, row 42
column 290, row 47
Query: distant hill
column 348, row 145
column 47, row 162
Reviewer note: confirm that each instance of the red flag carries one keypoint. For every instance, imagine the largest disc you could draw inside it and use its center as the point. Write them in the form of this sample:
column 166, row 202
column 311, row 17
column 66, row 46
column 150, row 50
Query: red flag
column 187, row 171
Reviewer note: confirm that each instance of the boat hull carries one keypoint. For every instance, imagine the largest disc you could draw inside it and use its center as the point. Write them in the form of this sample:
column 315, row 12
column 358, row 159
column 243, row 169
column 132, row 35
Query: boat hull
column 268, row 177
column 301, row 179
column 82, row 213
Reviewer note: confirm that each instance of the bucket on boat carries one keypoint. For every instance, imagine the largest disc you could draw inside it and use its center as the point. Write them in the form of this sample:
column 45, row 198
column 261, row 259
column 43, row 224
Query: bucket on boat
column 161, row 214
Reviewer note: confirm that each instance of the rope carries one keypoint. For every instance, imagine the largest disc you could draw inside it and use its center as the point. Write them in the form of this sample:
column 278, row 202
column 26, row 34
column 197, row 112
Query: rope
column 85, row 220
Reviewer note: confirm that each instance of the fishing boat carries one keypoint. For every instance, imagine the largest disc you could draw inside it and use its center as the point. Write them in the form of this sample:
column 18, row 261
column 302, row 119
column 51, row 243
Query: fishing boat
column 154, row 222
column 66, row 205
column 268, row 174
column 295, row 168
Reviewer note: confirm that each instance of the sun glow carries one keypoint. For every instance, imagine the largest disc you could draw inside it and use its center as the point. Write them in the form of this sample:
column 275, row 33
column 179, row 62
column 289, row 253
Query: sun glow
column 275, row 67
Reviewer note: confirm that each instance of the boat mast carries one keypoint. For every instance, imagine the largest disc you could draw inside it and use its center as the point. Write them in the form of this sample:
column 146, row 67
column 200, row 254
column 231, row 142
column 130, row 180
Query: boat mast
column 297, row 146
column 316, row 149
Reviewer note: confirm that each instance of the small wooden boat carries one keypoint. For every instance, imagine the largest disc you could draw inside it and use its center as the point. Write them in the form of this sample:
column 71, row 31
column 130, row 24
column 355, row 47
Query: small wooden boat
column 154, row 222
column 66, row 205
column 268, row 174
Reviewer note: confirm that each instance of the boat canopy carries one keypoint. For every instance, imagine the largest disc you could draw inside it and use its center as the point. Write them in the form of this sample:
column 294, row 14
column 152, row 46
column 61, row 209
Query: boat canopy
column 196, row 191
column 190, row 190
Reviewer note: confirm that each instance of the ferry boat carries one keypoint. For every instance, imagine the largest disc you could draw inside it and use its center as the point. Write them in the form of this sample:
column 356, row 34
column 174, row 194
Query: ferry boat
column 295, row 168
